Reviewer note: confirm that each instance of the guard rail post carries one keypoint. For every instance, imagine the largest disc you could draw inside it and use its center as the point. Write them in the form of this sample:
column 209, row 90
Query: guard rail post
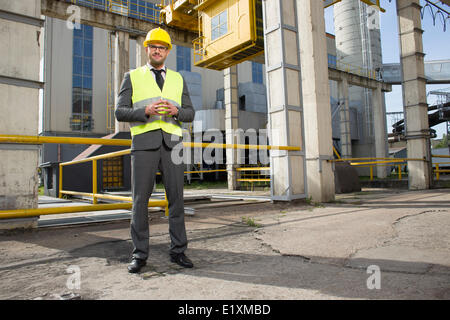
column 94, row 181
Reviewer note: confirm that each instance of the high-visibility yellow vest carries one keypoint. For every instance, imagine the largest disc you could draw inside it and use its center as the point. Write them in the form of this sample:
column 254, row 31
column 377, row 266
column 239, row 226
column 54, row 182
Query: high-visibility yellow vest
column 146, row 91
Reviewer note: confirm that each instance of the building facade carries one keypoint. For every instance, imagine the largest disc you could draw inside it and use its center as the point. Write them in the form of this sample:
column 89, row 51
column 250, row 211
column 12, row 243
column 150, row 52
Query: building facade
column 78, row 98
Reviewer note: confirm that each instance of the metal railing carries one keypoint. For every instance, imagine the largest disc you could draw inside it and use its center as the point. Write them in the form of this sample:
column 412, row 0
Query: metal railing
column 95, row 195
column 19, row 139
column 374, row 162
column 199, row 49
column 358, row 70
column 253, row 175
column 398, row 162
column 133, row 9
column 438, row 170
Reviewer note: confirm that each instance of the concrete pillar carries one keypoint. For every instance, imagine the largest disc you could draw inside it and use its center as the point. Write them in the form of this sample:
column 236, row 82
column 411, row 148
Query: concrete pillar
column 19, row 100
column 141, row 55
column 380, row 130
column 285, row 112
column 231, row 123
column 316, row 100
column 344, row 112
column 414, row 93
column 121, row 65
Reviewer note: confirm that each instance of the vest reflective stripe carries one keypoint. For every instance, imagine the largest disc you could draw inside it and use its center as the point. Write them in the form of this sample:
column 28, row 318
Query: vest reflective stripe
column 146, row 91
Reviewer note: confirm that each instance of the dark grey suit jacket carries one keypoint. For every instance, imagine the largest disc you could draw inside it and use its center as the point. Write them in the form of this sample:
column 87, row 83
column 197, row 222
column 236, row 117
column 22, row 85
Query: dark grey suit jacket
column 152, row 139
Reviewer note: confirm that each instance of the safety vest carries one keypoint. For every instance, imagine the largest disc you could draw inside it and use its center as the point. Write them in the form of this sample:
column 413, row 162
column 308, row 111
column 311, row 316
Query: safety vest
column 146, row 91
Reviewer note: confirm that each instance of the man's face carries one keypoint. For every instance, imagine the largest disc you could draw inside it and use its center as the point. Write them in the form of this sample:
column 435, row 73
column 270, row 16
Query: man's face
column 157, row 53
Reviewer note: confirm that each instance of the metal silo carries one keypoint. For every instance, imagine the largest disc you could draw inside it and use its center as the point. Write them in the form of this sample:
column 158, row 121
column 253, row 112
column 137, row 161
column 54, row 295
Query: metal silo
column 358, row 47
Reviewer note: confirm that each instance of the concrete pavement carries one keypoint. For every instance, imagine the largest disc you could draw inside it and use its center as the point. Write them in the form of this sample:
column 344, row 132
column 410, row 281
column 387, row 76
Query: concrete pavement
column 375, row 244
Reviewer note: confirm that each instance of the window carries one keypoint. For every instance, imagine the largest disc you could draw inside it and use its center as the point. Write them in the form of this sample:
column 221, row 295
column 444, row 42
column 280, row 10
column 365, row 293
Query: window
column 332, row 62
column 183, row 58
column 138, row 9
column 242, row 103
column 257, row 72
column 144, row 10
column 49, row 177
column 82, row 70
column 119, row 7
column 219, row 25
column 87, row 3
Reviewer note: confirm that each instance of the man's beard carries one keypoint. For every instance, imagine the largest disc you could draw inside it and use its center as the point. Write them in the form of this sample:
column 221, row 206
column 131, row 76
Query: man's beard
column 156, row 63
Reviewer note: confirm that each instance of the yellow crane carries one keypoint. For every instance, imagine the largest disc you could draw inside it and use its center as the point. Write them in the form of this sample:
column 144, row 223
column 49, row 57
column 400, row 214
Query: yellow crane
column 230, row 31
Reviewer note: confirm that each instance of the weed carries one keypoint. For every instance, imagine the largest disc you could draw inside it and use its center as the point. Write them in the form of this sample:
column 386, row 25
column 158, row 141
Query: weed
column 316, row 204
column 250, row 222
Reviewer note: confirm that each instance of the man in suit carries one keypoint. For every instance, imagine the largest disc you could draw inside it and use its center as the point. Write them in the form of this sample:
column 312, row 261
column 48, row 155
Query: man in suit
column 154, row 100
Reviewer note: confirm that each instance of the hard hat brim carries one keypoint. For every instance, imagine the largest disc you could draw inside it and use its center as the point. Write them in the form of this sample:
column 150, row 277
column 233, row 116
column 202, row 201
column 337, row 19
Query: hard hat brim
column 148, row 42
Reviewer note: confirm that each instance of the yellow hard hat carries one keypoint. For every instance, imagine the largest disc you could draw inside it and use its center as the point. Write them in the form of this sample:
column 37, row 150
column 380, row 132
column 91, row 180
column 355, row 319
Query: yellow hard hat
column 159, row 35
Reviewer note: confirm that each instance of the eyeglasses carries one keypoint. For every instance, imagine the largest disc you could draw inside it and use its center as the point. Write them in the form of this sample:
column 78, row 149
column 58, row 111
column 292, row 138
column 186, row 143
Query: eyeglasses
column 153, row 47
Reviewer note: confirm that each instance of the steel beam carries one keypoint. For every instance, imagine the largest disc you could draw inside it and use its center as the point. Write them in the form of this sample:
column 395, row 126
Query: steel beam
column 112, row 21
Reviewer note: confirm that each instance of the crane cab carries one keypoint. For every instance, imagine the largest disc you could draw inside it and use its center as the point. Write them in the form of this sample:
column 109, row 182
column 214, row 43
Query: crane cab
column 180, row 14
column 230, row 31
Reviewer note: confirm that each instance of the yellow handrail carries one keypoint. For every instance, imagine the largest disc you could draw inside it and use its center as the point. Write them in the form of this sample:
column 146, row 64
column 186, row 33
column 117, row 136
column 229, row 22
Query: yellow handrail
column 239, row 146
column 350, row 68
column 438, row 171
column 336, row 153
column 99, row 157
column 253, row 169
column 64, row 140
column 368, row 158
column 94, row 193
column 127, row 142
column 371, row 162
column 158, row 203
column 376, row 162
column 23, row 213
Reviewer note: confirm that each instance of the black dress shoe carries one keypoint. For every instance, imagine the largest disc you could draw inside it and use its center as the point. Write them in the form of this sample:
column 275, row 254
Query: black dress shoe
column 181, row 260
column 136, row 265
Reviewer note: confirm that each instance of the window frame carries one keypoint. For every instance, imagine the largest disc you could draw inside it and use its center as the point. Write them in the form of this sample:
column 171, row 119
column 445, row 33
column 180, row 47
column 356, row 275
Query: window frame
column 184, row 58
column 219, row 25
column 257, row 73
column 82, row 76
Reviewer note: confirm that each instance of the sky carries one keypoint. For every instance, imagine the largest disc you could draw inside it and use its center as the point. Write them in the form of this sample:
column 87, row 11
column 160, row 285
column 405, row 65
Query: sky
column 436, row 44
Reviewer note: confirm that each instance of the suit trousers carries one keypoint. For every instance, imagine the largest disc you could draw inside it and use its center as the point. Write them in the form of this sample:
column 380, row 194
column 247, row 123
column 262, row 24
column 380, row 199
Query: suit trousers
column 144, row 166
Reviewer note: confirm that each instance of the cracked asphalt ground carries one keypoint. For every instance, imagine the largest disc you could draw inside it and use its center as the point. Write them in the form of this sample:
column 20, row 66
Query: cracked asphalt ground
column 279, row 251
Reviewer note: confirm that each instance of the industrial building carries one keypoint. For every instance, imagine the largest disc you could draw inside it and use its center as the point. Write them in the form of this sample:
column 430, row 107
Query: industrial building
column 80, row 103
column 63, row 104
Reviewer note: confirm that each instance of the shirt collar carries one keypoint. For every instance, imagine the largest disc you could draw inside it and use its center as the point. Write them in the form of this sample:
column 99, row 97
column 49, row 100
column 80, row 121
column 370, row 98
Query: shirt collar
column 150, row 67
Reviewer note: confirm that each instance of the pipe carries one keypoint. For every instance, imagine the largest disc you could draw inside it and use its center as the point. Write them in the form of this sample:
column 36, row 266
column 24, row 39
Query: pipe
column 433, row 118
column 127, row 142
column 25, row 213
column 151, row 203
column 63, row 140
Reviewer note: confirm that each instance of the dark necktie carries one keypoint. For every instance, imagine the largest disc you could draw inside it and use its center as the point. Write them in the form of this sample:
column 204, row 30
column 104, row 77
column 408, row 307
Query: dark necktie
column 159, row 78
